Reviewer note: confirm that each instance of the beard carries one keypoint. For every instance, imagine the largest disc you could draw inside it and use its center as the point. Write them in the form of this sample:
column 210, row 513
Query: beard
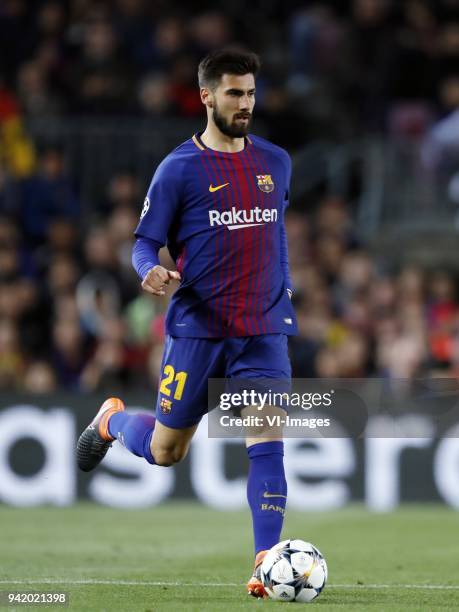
column 233, row 130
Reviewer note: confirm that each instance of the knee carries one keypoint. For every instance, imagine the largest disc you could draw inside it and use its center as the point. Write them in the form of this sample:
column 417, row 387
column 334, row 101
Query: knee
column 165, row 457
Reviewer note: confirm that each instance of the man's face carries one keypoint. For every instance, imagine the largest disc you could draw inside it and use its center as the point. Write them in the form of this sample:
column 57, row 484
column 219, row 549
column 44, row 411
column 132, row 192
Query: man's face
column 232, row 104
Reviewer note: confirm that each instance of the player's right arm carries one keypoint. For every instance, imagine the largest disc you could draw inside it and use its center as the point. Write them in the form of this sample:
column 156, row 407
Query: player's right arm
column 145, row 260
column 157, row 278
column 160, row 207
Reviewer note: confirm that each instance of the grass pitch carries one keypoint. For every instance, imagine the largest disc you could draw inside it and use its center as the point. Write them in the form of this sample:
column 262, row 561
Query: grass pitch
column 186, row 557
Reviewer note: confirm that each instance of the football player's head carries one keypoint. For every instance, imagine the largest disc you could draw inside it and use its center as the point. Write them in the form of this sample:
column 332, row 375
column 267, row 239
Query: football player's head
column 227, row 85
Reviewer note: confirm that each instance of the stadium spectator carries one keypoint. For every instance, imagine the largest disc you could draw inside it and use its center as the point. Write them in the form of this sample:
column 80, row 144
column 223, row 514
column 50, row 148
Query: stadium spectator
column 40, row 378
column 123, row 191
column 12, row 359
column 17, row 154
column 70, row 352
column 35, row 96
column 101, row 78
column 165, row 41
column 154, row 94
column 45, row 196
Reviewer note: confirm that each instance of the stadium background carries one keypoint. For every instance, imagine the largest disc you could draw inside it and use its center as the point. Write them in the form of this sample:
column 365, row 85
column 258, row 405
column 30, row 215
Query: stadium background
column 365, row 97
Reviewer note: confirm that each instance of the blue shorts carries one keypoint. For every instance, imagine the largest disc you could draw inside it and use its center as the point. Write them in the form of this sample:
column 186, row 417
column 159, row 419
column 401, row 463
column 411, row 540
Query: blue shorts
column 188, row 363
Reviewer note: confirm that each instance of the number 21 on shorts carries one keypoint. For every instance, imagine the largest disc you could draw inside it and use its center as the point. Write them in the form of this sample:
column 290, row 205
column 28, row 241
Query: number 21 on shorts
column 170, row 377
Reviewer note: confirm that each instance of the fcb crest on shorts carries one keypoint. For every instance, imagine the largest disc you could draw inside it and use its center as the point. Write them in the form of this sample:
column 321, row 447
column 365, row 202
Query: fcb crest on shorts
column 166, row 405
column 265, row 183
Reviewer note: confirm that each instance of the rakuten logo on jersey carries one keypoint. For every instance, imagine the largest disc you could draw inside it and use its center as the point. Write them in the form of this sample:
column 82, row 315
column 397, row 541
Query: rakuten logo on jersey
column 238, row 219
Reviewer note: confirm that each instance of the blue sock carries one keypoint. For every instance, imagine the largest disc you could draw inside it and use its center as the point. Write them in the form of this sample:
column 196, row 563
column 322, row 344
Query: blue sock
column 267, row 492
column 134, row 431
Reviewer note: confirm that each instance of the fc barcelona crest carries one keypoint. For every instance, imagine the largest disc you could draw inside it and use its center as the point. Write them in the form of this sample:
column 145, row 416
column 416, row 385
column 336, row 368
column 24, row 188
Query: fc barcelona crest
column 166, row 405
column 265, row 183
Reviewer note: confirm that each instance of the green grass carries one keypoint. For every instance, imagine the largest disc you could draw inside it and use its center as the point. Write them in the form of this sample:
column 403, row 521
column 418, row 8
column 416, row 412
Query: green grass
column 192, row 546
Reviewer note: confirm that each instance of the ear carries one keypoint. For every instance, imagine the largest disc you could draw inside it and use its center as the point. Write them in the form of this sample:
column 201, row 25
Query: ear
column 206, row 97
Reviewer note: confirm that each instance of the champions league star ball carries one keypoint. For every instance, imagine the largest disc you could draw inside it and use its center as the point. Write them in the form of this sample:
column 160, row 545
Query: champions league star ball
column 294, row 570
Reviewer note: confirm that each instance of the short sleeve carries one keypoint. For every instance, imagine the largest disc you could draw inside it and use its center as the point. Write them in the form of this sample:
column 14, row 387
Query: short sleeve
column 162, row 201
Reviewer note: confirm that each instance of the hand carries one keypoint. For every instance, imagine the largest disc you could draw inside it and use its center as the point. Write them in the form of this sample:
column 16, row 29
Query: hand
column 157, row 278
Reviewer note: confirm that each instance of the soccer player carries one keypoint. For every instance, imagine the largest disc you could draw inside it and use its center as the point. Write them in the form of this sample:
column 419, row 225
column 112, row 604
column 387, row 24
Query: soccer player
column 218, row 202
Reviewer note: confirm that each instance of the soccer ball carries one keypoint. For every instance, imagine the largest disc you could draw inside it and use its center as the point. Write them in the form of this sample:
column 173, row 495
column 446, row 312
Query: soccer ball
column 294, row 570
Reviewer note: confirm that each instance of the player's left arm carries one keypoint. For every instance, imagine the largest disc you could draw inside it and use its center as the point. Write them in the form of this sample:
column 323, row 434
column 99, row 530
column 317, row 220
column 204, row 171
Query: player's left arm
column 284, row 259
column 283, row 233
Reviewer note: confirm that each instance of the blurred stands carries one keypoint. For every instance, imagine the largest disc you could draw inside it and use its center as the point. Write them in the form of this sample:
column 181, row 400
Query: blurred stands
column 363, row 94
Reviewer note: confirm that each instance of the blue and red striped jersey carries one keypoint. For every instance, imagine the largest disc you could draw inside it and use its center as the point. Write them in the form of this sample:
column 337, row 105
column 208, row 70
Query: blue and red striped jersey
column 222, row 218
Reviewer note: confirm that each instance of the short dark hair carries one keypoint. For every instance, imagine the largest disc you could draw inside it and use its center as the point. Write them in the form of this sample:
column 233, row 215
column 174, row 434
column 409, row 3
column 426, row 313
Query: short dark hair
column 231, row 60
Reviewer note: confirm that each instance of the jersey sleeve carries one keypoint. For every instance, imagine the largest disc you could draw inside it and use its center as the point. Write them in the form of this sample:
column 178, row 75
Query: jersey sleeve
column 288, row 177
column 283, row 234
column 145, row 255
column 162, row 201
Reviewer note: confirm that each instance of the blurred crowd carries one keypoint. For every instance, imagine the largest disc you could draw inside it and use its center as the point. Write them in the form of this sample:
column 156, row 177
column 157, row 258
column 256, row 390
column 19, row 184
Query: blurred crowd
column 357, row 318
column 330, row 68
column 72, row 313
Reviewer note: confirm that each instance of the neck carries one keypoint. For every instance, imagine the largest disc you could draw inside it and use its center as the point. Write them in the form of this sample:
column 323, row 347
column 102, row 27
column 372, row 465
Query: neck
column 216, row 140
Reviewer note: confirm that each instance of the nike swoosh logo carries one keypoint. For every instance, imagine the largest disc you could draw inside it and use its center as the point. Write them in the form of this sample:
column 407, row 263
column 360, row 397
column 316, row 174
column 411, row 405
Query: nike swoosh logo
column 267, row 495
column 212, row 188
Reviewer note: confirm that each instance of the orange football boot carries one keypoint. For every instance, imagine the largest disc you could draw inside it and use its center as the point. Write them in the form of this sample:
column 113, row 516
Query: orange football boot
column 94, row 442
column 255, row 586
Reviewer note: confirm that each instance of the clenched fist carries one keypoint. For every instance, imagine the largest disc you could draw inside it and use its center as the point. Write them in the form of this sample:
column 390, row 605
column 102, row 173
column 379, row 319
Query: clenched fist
column 157, row 278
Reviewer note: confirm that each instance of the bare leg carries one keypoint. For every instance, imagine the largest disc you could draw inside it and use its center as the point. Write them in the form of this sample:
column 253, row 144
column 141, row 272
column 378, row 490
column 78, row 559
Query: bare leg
column 168, row 445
